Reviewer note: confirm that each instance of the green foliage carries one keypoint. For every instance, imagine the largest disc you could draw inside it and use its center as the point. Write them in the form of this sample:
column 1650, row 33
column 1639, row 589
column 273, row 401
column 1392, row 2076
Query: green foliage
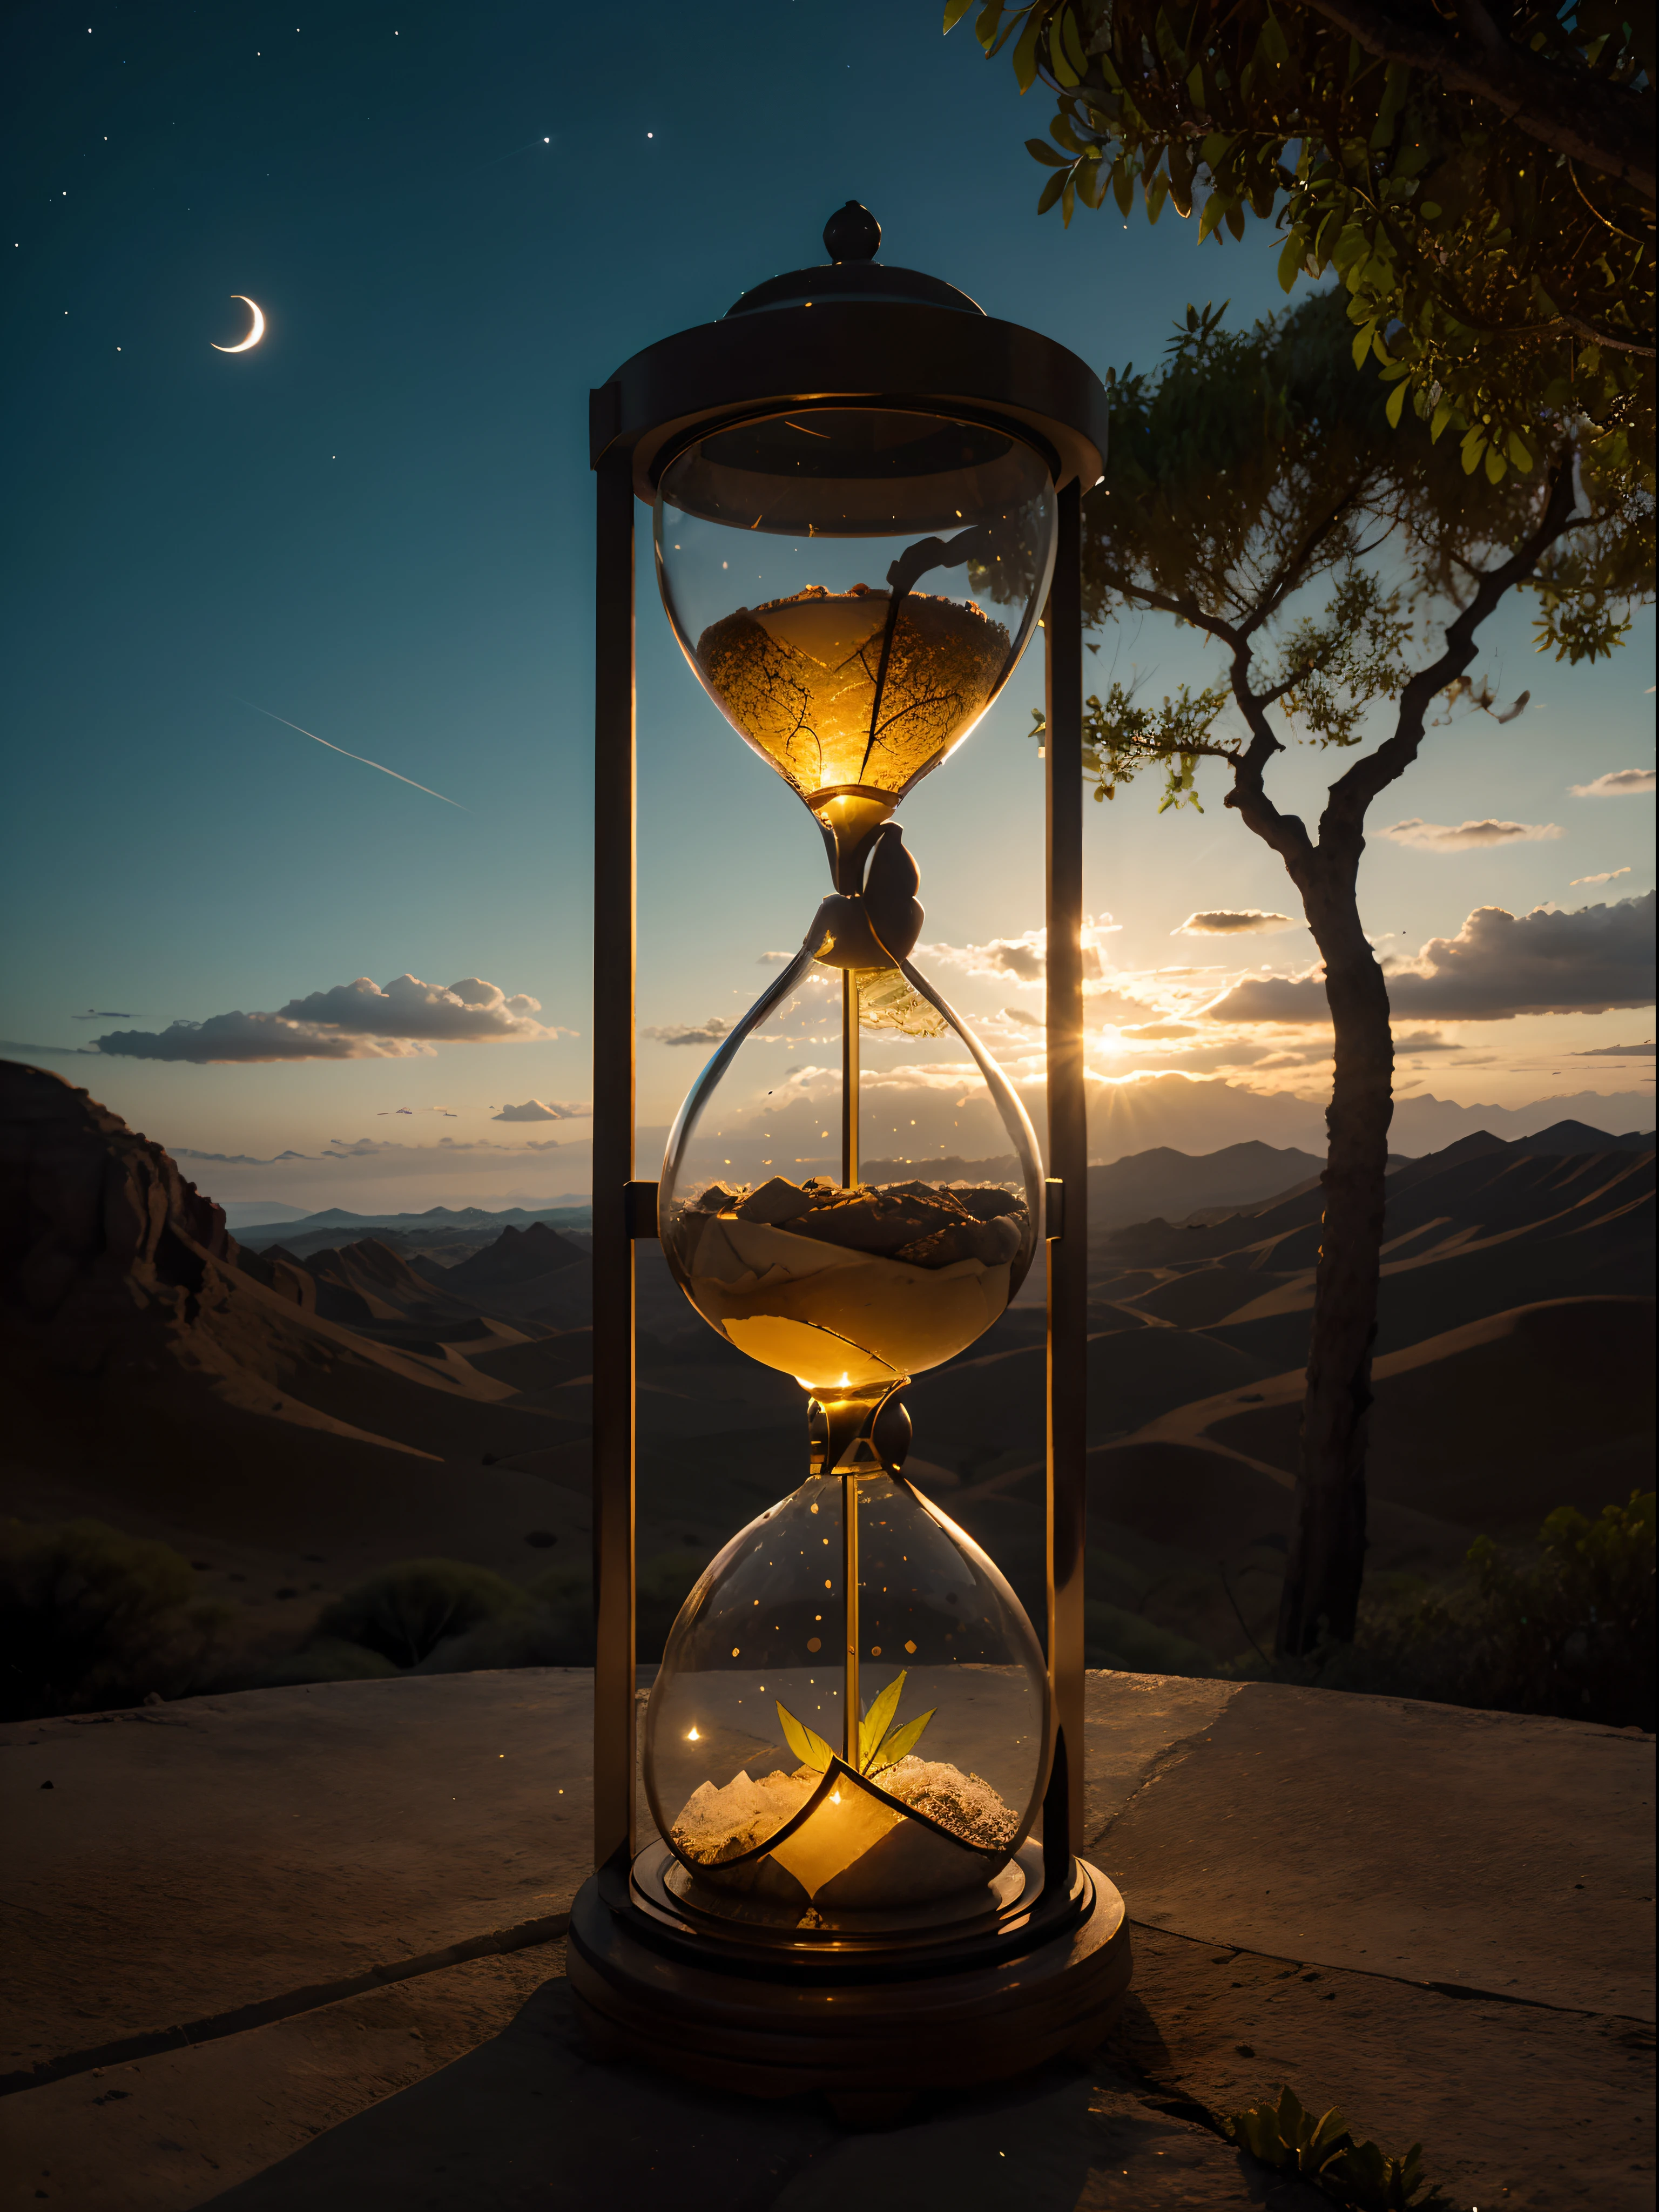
column 1488, row 267
column 1565, row 1627
column 90, row 1617
column 880, row 1743
column 808, row 1746
column 404, row 1612
column 1358, row 2176
column 1254, row 471
column 1254, row 467
column 1570, row 1631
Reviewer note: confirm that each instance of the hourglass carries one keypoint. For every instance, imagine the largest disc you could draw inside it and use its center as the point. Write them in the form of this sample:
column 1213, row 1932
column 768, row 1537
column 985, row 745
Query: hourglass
column 864, row 496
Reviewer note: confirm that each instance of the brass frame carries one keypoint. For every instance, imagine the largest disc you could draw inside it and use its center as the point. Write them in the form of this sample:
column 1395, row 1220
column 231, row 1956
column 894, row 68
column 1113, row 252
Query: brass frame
column 865, row 354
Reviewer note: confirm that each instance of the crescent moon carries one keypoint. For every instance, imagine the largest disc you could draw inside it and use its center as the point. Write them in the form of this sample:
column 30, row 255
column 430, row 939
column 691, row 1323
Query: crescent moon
column 253, row 336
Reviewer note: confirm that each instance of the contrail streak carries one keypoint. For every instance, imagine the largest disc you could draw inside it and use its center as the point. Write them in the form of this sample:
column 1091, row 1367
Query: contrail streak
column 366, row 762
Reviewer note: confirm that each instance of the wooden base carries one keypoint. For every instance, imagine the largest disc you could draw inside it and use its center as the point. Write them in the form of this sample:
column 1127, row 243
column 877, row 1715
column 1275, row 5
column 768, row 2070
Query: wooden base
column 870, row 2034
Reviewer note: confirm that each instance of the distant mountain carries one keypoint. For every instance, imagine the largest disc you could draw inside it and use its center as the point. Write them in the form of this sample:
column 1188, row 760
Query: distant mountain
column 1175, row 1184
column 1475, row 1229
column 239, row 1210
column 570, row 1213
column 517, row 1256
column 366, row 1281
column 1579, row 1137
column 154, row 1375
column 299, row 1414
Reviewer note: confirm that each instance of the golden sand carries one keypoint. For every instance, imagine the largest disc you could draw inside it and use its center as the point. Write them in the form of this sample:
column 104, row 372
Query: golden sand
column 798, row 678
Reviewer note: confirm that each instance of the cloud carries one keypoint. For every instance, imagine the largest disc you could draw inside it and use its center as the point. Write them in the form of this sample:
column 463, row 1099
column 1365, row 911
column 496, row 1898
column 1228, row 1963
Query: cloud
column 469, row 1012
column 775, row 959
column 239, row 1036
column 1618, row 783
column 1246, row 921
column 101, row 1014
column 1608, row 876
column 1497, row 966
column 353, row 1021
column 1024, row 957
column 1617, row 1052
column 1444, row 837
column 708, row 1032
column 534, row 1109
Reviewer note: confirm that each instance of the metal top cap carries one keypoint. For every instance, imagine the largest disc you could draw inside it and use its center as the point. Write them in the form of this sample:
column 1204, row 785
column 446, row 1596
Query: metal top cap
column 852, row 237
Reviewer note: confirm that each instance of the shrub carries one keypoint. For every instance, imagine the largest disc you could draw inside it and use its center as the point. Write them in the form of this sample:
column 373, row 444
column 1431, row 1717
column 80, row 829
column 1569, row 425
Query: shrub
column 91, row 1617
column 554, row 1628
column 1360, row 2177
column 404, row 1612
column 1563, row 1627
column 1570, row 1631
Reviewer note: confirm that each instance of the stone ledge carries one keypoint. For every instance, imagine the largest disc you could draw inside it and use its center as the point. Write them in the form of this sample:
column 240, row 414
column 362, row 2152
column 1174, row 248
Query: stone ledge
column 1310, row 1873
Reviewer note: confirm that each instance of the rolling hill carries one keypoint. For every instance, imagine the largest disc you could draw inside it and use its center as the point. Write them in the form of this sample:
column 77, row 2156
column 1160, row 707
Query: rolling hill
column 294, row 1415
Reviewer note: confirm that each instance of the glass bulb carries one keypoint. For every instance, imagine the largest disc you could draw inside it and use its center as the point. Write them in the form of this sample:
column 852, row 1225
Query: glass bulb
column 752, row 1775
column 853, row 587
column 776, row 1234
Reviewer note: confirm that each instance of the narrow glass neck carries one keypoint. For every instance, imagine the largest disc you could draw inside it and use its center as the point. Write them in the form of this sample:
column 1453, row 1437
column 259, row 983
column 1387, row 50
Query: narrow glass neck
column 849, row 818
column 850, row 1440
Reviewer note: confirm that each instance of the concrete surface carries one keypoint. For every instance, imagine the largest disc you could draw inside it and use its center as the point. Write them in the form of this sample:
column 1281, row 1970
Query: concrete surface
column 300, row 1948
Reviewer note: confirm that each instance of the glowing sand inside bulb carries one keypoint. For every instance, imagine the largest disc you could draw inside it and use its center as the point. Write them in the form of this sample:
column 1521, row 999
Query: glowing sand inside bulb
column 856, row 1849
column 846, row 1289
column 798, row 678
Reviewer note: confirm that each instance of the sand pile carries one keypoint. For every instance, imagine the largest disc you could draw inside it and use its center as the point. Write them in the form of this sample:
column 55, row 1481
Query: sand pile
column 798, row 1275
column 718, row 1825
column 798, row 678
column 852, row 1838
column 963, row 1803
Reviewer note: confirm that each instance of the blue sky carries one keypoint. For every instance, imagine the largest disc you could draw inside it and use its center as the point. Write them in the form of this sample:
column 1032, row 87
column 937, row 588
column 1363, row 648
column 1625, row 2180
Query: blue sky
column 377, row 525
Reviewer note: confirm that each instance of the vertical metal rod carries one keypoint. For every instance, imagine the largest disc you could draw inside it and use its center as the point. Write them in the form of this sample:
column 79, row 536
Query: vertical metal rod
column 1068, row 1159
column 850, row 1574
column 614, row 955
column 849, row 1077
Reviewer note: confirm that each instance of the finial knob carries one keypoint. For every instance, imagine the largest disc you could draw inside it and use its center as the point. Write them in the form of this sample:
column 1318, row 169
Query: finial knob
column 852, row 234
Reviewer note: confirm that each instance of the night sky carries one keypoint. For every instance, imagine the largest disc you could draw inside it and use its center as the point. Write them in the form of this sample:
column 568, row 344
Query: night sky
column 377, row 525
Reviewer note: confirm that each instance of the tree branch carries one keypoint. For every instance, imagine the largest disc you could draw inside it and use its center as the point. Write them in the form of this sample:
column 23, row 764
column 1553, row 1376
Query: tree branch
column 1349, row 797
column 1604, row 126
column 1286, row 834
column 1187, row 610
column 1292, row 569
column 1604, row 337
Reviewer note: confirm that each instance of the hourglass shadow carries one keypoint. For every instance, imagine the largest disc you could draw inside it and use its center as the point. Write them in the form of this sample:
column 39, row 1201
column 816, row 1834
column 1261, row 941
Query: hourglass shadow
column 533, row 2119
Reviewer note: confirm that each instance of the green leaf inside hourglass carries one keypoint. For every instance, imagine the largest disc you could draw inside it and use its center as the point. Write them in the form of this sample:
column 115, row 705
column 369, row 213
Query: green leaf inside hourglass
column 880, row 1744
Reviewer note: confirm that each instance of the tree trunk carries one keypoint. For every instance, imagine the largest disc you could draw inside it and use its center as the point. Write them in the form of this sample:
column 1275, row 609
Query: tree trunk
column 1327, row 1556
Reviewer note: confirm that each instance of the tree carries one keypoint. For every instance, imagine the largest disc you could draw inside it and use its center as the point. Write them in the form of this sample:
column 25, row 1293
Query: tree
column 1480, row 176
column 1253, row 475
